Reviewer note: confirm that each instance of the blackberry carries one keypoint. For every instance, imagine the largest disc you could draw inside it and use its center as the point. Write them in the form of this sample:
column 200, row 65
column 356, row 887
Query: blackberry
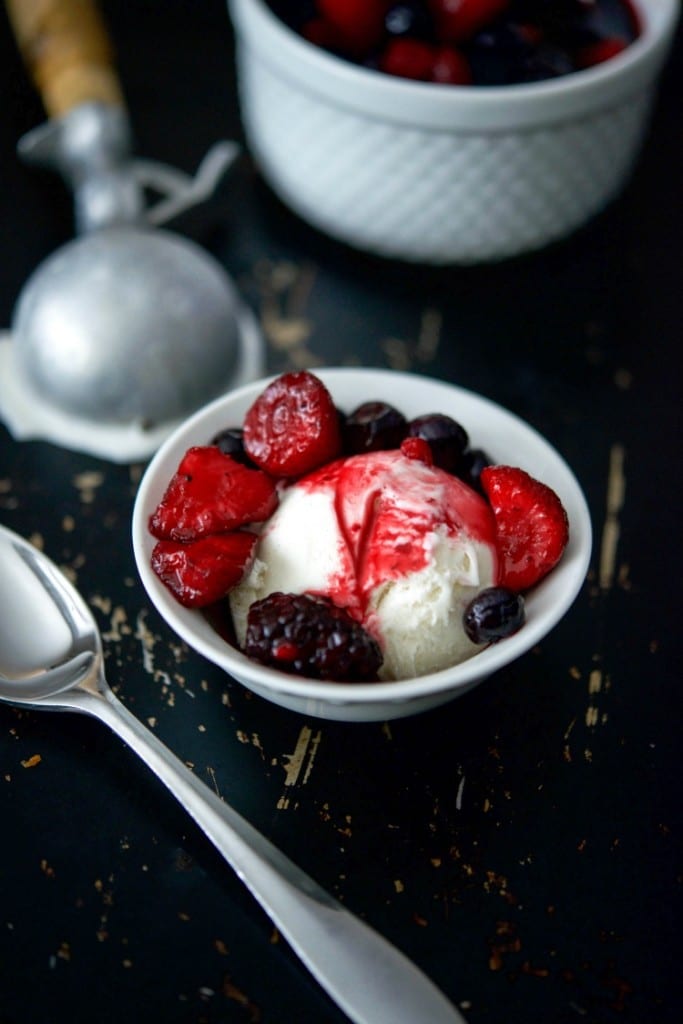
column 493, row 614
column 311, row 637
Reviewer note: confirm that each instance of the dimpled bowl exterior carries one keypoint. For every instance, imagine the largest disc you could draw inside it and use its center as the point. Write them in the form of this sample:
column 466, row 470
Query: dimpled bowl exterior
column 442, row 174
column 505, row 436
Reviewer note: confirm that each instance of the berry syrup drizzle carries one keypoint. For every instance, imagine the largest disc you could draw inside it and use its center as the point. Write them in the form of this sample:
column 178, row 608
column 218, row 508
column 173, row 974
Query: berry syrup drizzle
column 388, row 508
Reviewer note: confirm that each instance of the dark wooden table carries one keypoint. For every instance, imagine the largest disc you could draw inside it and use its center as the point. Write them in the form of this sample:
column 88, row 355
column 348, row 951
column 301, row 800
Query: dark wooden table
column 522, row 845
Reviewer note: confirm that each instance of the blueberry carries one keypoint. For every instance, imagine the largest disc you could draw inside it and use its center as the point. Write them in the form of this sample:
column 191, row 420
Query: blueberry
column 446, row 438
column 373, row 426
column 493, row 614
column 411, row 18
column 497, row 54
column 230, row 441
column 474, row 460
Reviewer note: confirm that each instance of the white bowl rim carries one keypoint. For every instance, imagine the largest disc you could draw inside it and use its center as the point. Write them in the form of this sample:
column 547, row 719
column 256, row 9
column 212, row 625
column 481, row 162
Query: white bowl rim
column 427, row 105
column 461, row 677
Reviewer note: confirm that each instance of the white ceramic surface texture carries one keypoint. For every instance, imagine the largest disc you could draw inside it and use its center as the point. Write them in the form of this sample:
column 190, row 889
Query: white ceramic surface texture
column 442, row 174
column 504, row 436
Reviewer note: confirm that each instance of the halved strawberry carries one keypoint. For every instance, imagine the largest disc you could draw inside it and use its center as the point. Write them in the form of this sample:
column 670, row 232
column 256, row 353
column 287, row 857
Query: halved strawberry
column 293, row 426
column 210, row 493
column 532, row 528
column 202, row 571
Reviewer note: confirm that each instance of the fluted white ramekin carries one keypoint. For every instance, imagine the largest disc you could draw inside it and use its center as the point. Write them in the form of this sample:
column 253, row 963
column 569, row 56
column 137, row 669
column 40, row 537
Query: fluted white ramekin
column 442, row 174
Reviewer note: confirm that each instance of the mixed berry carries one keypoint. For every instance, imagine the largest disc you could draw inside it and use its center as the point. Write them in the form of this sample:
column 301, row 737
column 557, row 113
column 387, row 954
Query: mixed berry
column 308, row 636
column 467, row 42
column 206, row 524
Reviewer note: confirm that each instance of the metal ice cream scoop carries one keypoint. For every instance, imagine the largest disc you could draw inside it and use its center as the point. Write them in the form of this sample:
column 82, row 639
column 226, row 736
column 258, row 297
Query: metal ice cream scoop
column 127, row 323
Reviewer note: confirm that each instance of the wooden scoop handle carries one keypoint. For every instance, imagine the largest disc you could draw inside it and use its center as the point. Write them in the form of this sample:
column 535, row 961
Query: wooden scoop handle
column 67, row 51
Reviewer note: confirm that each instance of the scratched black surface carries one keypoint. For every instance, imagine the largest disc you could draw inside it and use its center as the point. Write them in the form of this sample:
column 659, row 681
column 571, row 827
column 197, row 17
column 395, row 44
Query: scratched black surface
column 521, row 844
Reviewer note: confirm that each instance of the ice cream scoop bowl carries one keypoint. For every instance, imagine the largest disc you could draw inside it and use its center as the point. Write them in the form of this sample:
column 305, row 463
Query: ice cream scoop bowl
column 507, row 439
column 127, row 324
column 367, row 977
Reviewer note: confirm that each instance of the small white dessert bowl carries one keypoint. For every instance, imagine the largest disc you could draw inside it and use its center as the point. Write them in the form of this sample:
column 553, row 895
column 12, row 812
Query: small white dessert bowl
column 442, row 174
column 505, row 437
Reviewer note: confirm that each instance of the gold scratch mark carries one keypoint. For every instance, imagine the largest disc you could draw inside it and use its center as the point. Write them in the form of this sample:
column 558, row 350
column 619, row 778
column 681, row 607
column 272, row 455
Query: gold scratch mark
column 103, row 603
column 397, row 352
column 624, row 576
column 386, row 731
column 623, row 379
column 569, row 728
column 302, row 358
column 68, row 524
column 429, row 338
column 147, row 641
column 595, row 681
column 398, row 885
column 300, row 761
column 285, row 289
column 31, row 761
column 575, row 672
column 284, row 334
column 212, row 774
column 591, row 717
column 86, row 484
column 616, row 490
column 118, row 624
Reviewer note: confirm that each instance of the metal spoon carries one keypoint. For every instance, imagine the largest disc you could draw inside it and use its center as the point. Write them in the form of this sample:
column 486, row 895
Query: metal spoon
column 369, row 979
column 127, row 323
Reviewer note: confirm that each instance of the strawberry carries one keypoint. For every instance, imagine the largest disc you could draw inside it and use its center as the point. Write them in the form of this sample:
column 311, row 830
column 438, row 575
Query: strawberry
column 417, row 448
column 531, row 525
column 600, row 51
column 202, row 571
column 210, row 493
column 293, row 426
column 407, row 58
column 358, row 23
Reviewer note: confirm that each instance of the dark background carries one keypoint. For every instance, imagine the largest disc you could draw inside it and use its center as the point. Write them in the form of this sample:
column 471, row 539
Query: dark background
column 545, row 887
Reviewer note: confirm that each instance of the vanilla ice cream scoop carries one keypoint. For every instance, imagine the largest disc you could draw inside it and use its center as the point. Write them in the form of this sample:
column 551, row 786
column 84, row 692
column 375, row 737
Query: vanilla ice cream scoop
column 402, row 546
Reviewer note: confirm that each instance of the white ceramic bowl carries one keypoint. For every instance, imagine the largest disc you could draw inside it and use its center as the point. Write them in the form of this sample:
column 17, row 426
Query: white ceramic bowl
column 506, row 438
column 441, row 174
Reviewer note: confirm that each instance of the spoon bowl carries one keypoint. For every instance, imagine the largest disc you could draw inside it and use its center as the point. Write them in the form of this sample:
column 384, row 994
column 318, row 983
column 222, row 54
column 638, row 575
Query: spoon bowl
column 369, row 979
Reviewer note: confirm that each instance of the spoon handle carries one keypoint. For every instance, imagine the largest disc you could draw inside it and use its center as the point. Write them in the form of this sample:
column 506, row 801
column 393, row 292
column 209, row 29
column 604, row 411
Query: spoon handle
column 368, row 978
